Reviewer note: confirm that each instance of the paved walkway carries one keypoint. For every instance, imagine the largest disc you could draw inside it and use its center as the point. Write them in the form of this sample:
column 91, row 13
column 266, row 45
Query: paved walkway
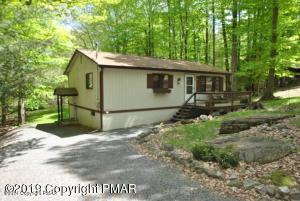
column 31, row 156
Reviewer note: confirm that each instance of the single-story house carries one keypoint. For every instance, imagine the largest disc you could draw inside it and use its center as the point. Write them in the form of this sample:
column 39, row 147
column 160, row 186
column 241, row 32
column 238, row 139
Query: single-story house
column 118, row 91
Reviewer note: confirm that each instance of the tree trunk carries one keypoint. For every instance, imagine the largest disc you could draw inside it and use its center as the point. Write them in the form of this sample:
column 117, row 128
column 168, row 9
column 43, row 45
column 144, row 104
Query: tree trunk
column 225, row 48
column 181, row 30
column 206, row 34
column 169, row 29
column 238, row 42
column 268, row 92
column 21, row 111
column 214, row 34
column 3, row 111
column 234, row 47
column 174, row 35
column 186, row 31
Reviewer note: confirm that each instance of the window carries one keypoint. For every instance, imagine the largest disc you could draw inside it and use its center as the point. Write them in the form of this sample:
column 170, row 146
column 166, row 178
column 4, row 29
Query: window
column 89, row 80
column 201, row 84
column 160, row 83
column 209, row 84
column 217, row 84
column 189, row 85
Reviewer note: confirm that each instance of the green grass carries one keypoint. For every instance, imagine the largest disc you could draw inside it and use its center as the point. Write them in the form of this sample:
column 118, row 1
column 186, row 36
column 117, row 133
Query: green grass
column 186, row 136
column 281, row 178
column 44, row 116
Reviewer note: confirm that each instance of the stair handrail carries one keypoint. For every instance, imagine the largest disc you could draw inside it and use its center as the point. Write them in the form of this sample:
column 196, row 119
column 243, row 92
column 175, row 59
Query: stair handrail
column 186, row 102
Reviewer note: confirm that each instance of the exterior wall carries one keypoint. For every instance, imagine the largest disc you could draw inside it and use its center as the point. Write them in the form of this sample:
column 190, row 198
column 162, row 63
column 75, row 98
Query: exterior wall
column 126, row 89
column 129, row 119
column 88, row 98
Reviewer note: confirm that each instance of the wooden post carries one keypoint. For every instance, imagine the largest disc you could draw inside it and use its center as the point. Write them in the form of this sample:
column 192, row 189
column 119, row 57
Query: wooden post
column 61, row 109
column 58, row 110
column 195, row 99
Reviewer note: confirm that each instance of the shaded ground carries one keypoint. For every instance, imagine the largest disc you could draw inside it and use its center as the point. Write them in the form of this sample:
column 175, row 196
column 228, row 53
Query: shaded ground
column 44, row 158
column 63, row 131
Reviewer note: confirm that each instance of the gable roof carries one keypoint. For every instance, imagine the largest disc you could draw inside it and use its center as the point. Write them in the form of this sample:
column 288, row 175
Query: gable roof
column 112, row 60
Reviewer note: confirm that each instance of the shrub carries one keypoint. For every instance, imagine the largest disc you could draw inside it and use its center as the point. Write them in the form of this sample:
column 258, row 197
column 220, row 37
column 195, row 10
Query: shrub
column 204, row 152
column 282, row 178
column 226, row 157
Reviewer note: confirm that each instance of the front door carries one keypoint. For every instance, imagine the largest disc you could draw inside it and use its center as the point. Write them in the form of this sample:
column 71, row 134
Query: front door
column 189, row 86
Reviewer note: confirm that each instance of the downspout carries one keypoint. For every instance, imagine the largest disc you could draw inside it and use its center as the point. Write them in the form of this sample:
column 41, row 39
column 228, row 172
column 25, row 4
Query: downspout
column 101, row 97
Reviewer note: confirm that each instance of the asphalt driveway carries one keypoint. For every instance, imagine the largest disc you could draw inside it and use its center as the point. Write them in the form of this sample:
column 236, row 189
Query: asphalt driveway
column 33, row 156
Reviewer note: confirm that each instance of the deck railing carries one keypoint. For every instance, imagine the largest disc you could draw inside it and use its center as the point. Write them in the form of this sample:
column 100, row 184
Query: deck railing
column 219, row 99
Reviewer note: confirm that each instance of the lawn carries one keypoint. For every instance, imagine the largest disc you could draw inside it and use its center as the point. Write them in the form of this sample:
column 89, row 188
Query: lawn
column 186, row 136
column 44, row 116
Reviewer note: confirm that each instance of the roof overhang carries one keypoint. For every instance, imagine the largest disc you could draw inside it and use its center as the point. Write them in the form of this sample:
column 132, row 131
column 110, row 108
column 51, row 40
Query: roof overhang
column 65, row 92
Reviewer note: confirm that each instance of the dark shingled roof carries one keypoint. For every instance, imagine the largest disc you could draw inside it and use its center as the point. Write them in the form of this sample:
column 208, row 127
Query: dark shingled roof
column 108, row 59
column 65, row 92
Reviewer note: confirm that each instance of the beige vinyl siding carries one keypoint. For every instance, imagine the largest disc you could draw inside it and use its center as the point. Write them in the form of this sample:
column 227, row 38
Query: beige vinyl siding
column 88, row 98
column 129, row 119
column 126, row 89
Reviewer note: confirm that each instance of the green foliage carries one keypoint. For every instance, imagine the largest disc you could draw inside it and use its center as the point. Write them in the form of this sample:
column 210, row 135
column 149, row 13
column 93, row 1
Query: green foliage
column 226, row 157
column 282, row 178
column 205, row 152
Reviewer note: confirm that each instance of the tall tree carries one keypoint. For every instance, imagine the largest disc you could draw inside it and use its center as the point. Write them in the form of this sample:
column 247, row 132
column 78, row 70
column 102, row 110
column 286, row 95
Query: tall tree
column 213, row 34
column 268, row 92
column 234, row 52
column 206, row 32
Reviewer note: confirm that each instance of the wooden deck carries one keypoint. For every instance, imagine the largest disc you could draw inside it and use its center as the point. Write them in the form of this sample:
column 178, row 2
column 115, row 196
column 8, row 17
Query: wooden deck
column 209, row 102
column 220, row 100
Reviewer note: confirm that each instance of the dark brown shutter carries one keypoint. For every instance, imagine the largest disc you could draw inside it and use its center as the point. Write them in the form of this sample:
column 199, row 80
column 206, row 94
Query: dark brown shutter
column 170, row 81
column 221, row 84
column 86, row 80
column 213, row 87
column 149, row 80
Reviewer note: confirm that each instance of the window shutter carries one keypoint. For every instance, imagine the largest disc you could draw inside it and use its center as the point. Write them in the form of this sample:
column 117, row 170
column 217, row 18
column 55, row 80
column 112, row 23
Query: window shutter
column 86, row 81
column 149, row 80
column 170, row 81
column 221, row 84
column 214, row 80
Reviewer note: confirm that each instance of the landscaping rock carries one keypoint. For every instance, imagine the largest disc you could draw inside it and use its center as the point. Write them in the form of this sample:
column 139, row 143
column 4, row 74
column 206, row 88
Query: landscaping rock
column 187, row 121
column 254, row 148
column 271, row 190
column 295, row 194
column 249, row 184
column 214, row 173
column 235, row 183
column 167, row 147
column 283, row 190
column 237, row 125
column 204, row 117
column 261, row 189
column 155, row 130
column 179, row 157
column 234, row 176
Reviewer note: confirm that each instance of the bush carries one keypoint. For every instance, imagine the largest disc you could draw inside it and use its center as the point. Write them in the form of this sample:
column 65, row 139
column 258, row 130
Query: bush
column 282, row 178
column 204, row 152
column 225, row 157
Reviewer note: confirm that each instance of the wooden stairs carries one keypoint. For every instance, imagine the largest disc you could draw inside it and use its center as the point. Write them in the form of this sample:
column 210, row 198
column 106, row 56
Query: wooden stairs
column 185, row 112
